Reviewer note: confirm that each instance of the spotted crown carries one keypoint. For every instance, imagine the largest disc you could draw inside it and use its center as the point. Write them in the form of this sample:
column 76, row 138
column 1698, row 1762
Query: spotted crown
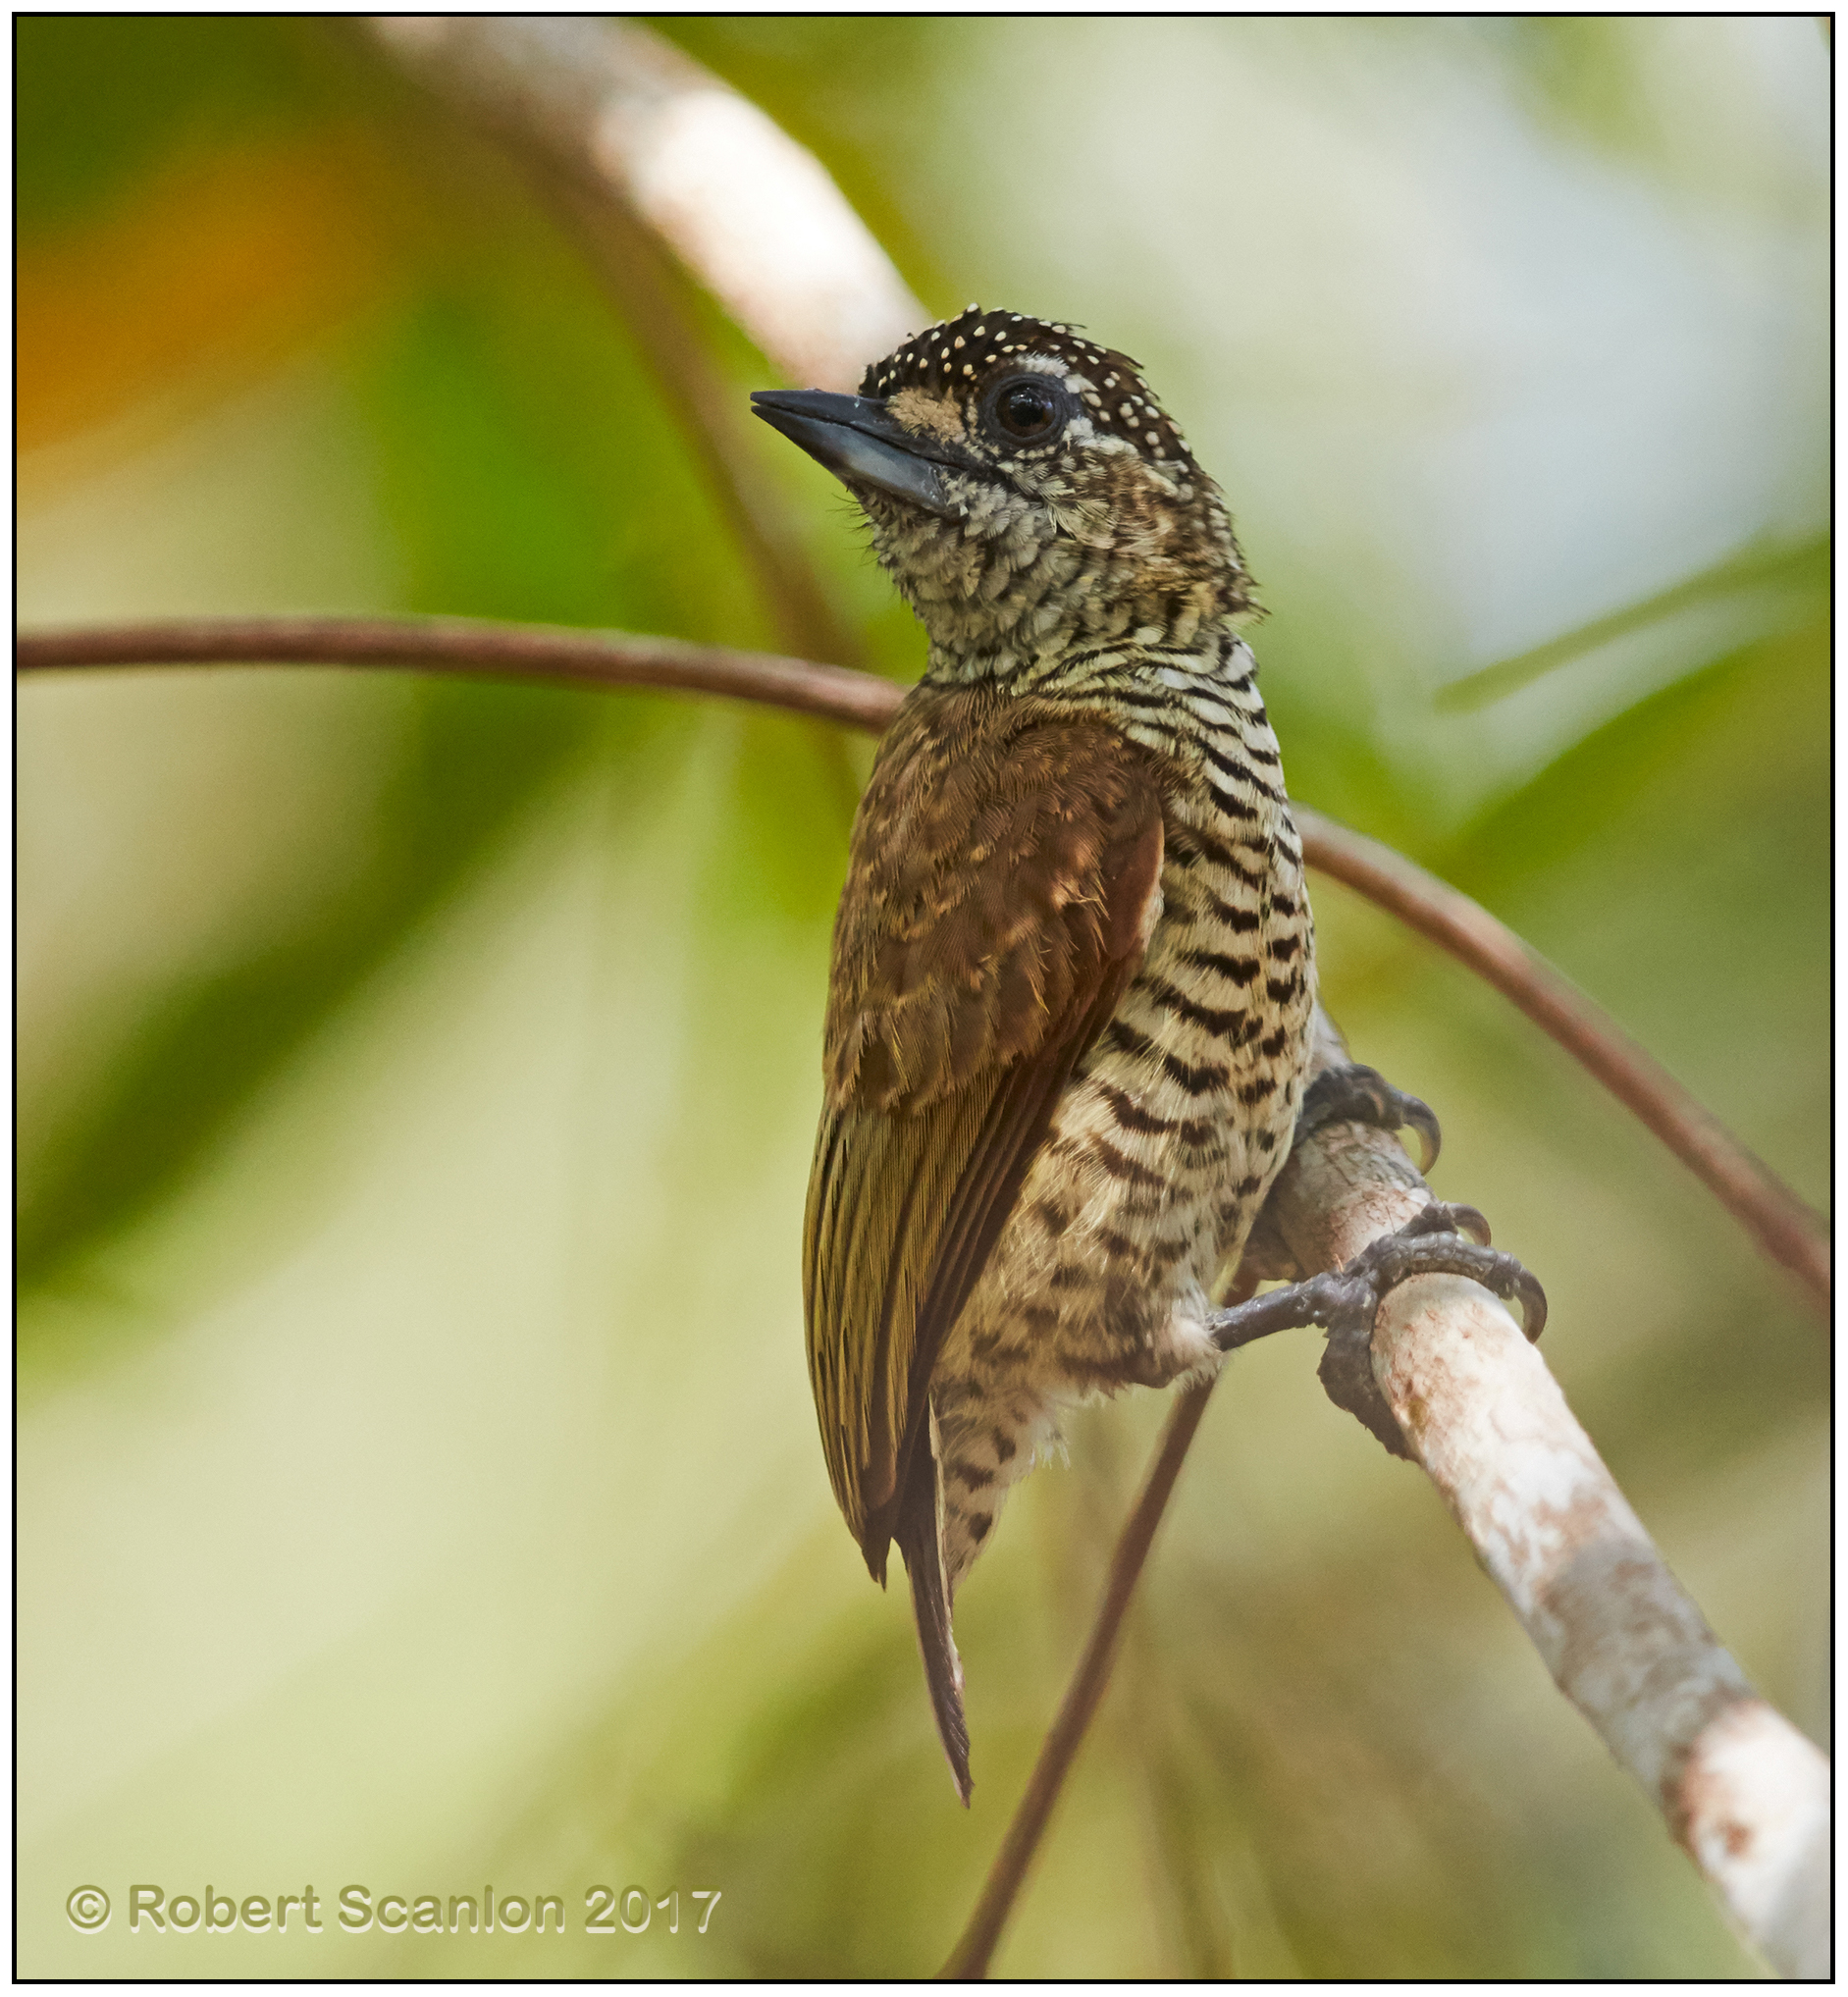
column 963, row 352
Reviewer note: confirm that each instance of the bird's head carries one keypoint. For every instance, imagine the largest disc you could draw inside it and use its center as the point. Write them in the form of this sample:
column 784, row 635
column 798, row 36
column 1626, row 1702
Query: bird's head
column 1025, row 492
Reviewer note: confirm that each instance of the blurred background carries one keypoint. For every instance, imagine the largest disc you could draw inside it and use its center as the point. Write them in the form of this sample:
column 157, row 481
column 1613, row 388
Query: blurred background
column 417, row 1481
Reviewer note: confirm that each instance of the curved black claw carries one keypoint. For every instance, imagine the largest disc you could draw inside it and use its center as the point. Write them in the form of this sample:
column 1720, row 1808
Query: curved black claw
column 1442, row 1217
column 1354, row 1094
column 1433, row 1243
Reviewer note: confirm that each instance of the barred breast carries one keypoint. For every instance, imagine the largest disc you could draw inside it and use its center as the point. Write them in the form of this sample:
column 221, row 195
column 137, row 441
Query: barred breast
column 1176, row 1122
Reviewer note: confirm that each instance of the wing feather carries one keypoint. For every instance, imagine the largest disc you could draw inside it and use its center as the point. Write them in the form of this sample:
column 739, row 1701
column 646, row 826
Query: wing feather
column 1005, row 876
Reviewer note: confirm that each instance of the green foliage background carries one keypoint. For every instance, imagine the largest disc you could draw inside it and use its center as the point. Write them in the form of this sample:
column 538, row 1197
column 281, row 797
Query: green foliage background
column 417, row 1484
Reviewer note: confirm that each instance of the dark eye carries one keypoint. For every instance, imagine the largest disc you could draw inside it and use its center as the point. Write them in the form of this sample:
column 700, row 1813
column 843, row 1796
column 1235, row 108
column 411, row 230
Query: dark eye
column 1029, row 409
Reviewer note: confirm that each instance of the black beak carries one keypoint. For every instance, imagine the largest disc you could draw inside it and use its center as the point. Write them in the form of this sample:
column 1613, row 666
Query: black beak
column 858, row 441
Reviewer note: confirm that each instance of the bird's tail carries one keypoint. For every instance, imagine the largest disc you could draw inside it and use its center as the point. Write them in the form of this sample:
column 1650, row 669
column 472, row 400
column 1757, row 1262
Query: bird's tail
column 920, row 1538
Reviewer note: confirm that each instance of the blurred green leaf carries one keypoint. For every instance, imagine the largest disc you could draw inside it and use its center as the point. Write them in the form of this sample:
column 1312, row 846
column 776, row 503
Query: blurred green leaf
column 1676, row 864
column 210, row 1046
column 1792, row 577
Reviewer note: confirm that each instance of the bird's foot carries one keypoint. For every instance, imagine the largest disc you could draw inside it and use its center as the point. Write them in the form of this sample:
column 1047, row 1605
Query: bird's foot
column 1345, row 1093
column 1440, row 1240
column 1352, row 1094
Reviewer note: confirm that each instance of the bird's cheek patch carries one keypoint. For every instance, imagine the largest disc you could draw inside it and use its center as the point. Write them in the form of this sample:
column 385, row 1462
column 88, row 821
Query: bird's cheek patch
column 927, row 415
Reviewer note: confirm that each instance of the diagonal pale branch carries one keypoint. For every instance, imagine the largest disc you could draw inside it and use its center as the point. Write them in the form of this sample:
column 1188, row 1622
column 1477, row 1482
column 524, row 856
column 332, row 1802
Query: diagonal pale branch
column 1784, row 1228
column 602, row 114
column 1739, row 1788
column 639, row 124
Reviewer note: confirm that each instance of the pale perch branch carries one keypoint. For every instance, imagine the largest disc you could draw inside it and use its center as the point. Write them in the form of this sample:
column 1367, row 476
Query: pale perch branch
column 1740, row 1789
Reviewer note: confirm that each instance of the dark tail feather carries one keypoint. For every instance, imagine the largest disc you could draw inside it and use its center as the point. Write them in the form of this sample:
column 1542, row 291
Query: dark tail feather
column 919, row 1541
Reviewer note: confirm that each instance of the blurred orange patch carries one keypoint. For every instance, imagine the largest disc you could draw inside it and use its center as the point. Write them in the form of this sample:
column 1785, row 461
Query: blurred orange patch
column 221, row 265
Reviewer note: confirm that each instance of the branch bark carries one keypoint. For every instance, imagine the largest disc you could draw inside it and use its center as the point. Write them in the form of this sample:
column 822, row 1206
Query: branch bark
column 1742, row 1791
column 1739, row 1788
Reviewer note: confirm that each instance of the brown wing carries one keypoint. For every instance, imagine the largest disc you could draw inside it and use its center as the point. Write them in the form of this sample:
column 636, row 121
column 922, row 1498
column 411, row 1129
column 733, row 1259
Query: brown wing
column 1005, row 878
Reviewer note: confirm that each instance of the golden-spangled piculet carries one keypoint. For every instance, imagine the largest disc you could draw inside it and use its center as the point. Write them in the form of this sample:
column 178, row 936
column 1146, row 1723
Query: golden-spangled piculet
column 1073, row 986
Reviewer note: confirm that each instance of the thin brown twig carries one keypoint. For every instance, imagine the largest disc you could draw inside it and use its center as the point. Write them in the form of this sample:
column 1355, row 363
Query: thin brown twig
column 969, row 1959
column 478, row 649
column 1784, row 1227
column 1027, row 1829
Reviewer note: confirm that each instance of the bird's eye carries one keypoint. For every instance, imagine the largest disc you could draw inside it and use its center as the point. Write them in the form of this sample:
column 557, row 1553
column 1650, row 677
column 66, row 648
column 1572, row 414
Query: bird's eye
column 1030, row 409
